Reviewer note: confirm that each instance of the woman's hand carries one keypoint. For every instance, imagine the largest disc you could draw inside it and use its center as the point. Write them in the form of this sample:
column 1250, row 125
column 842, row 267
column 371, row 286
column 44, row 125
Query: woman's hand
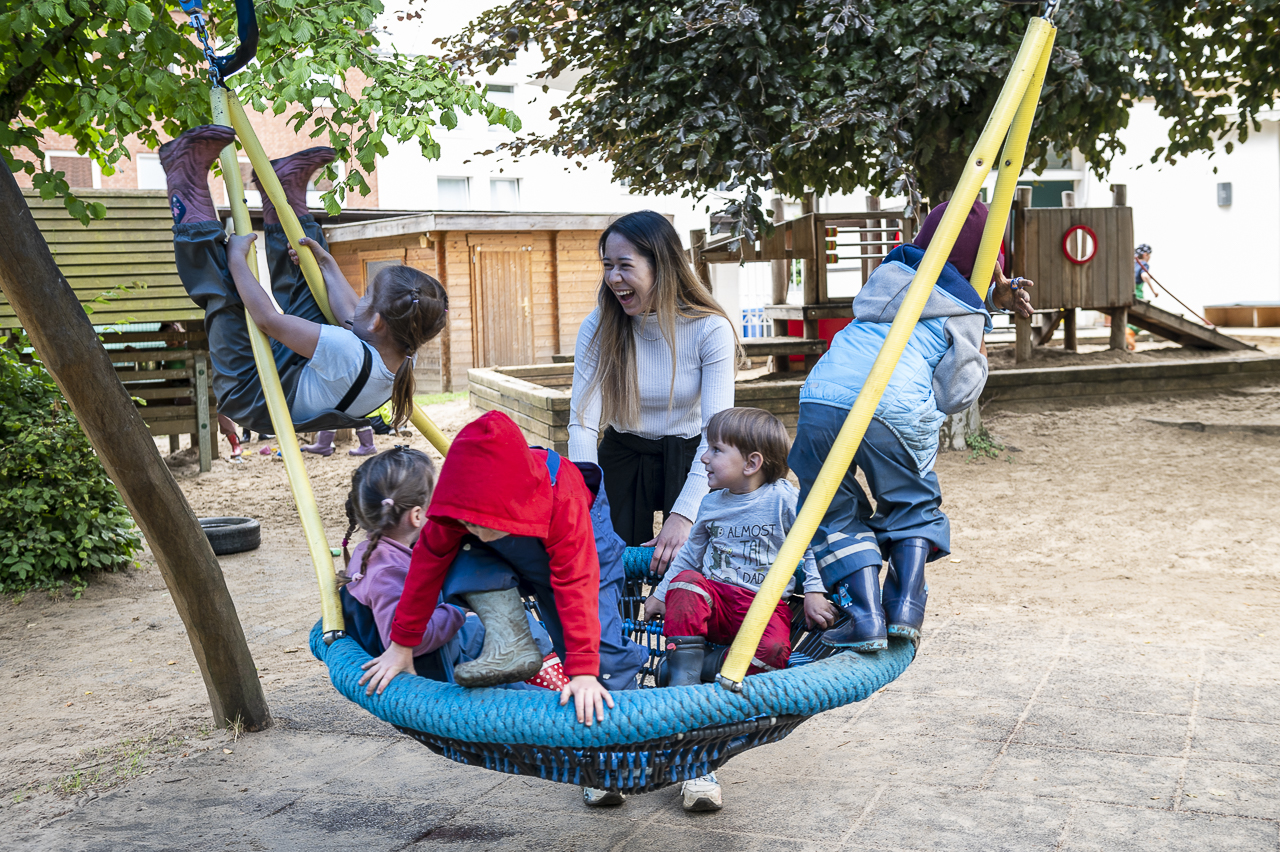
column 818, row 611
column 239, row 246
column 380, row 671
column 323, row 258
column 675, row 532
column 1006, row 298
column 653, row 608
column 589, row 698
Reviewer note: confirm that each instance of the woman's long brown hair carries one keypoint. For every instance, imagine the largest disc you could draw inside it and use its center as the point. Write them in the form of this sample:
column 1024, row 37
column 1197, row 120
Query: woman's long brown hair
column 677, row 292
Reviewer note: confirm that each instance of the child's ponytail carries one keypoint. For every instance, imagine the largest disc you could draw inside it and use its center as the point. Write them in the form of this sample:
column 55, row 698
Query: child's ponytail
column 382, row 490
column 414, row 307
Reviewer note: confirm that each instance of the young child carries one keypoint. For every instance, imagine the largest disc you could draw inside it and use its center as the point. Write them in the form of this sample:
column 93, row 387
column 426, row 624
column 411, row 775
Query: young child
column 505, row 518
column 714, row 578
column 388, row 499
column 942, row 371
column 332, row 375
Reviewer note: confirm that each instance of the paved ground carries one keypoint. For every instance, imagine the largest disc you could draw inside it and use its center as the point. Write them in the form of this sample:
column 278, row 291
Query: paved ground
column 1009, row 734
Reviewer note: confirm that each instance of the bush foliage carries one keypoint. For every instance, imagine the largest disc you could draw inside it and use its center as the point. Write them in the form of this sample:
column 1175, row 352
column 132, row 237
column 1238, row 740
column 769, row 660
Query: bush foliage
column 62, row 514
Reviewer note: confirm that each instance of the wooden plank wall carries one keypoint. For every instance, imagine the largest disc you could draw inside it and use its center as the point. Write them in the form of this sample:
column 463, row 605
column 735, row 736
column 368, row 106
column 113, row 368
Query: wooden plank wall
column 1102, row 283
column 579, row 272
column 133, row 246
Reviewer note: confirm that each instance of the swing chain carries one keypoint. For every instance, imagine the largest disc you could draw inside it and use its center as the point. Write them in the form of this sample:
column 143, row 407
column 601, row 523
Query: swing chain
column 198, row 24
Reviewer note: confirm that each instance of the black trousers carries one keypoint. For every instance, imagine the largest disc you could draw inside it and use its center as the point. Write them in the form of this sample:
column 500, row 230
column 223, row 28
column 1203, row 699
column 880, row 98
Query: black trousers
column 201, row 255
column 643, row 476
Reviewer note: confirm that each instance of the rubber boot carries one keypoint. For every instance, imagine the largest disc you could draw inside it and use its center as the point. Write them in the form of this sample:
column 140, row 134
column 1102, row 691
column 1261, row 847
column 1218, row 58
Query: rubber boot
column 905, row 592
column 186, row 162
column 366, row 447
column 684, row 660
column 323, row 445
column 858, row 595
column 712, row 663
column 294, row 172
column 236, row 451
column 509, row 654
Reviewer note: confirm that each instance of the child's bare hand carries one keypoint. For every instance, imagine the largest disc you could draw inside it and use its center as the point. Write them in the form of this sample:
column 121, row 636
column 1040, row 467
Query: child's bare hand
column 323, row 257
column 380, row 671
column 239, row 245
column 818, row 611
column 589, row 698
column 653, row 608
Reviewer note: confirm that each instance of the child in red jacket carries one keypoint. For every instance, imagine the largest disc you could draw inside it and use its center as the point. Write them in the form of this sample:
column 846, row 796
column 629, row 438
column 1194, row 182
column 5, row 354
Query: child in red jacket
column 506, row 518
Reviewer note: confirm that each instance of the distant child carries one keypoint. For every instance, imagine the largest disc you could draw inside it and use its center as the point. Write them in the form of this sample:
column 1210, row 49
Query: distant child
column 506, row 518
column 333, row 375
column 942, row 371
column 388, row 499
column 714, row 578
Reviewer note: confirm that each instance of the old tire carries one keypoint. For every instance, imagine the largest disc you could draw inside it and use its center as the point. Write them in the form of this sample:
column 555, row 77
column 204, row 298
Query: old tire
column 232, row 535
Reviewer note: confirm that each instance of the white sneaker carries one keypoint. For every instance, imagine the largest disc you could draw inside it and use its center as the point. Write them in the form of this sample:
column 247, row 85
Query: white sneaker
column 702, row 794
column 601, row 798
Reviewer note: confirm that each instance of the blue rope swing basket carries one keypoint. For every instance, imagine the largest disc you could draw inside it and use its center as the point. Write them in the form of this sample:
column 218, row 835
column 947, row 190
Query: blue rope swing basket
column 651, row 739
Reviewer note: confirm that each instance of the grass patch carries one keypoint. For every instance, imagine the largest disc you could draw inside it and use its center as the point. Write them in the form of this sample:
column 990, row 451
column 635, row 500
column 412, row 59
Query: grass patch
column 437, row 398
column 108, row 766
column 982, row 445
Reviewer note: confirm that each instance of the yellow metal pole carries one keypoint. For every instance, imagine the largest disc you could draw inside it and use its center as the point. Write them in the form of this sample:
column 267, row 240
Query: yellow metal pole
column 303, row 497
column 293, row 230
column 855, row 425
column 1011, row 160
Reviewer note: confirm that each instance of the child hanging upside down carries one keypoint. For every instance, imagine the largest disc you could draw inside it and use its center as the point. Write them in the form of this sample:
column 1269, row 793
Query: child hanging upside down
column 332, row 375
column 388, row 499
column 507, row 518
column 941, row 371
column 714, row 578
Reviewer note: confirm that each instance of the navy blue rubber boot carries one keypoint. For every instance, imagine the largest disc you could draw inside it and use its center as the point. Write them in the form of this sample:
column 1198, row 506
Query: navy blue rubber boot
column 905, row 592
column 858, row 596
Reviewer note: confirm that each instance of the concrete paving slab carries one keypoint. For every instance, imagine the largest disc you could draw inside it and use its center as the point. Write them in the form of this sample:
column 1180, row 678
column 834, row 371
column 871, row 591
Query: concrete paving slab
column 908, row 817
column 1240, row 789
column 1106, row 828
column 1079, row 683
column 1239, row 702
column 1085, row 775
column 1242, row 742
column 1094, row 729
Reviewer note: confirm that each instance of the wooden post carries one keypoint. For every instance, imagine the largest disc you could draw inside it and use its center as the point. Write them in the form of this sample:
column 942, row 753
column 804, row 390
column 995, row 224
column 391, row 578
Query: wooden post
column 204, row 433
column 781, row 270
column 1119, row 195
column 1069, row 341
column 65, row 341
column 697, row 243
column 1022, row 327
column 810, row 280
column 1119, row 322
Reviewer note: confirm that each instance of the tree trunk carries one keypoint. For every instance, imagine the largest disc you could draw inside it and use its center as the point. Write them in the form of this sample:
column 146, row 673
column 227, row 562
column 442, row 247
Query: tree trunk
column 67, row 345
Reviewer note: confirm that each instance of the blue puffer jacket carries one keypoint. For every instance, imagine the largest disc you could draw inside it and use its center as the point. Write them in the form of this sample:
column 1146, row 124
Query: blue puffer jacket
column 941, row 370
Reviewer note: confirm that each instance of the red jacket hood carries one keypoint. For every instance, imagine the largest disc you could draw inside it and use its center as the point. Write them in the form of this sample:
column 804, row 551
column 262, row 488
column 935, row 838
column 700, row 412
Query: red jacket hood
column 492, row 479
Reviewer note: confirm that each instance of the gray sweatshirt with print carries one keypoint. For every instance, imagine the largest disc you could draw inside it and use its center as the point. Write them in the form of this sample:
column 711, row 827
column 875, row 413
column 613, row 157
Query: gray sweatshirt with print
column 736, row 537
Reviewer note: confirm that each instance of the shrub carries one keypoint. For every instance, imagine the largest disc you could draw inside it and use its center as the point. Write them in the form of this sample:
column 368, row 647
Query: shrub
column 62, row 514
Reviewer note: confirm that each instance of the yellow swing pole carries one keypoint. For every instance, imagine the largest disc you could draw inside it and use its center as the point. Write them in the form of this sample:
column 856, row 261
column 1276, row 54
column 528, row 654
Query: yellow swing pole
column 293, row 230
column 303, row 497
column 1034, row 46
column 1011, row 160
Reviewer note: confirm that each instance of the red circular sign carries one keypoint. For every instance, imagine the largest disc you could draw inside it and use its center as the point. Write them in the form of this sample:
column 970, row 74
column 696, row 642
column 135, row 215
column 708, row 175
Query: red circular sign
column 1079, row 244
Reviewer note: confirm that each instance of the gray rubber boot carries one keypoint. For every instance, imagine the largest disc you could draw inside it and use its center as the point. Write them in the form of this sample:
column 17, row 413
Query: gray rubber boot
column 509, row 654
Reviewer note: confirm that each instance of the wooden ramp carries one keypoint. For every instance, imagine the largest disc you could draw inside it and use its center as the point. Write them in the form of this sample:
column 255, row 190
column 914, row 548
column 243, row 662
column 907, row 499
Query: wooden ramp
column 1180, row 330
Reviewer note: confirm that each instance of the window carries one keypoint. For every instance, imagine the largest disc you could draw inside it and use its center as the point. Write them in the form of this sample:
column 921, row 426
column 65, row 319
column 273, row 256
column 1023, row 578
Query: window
column 373, row 267
column 320, row 185
column 150, row 174
column 504, row 194
column 78, row 170
column 503, row 96
column 453, row 193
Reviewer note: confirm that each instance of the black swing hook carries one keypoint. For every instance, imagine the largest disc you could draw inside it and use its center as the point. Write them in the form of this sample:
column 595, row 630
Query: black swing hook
column 221, row 67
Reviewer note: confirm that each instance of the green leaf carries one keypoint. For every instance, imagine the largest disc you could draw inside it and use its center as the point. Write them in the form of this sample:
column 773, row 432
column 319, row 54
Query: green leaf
column 139, row 17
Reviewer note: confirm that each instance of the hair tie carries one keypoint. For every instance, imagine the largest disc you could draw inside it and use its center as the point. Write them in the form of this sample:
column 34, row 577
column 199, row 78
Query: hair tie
column 346, row 540
column 387, row 501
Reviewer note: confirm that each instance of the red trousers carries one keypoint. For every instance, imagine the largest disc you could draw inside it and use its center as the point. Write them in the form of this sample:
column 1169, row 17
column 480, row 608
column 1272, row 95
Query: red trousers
column 697, row 606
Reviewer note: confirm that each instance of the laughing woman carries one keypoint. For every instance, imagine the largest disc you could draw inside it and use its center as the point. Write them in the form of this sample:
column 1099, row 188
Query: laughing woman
column 654, row 361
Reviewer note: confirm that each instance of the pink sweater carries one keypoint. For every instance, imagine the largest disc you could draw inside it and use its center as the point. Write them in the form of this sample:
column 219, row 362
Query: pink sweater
column 380, row 587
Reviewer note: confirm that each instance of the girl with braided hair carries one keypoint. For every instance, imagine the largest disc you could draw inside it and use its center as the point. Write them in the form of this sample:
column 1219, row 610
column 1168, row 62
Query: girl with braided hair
column 388, row 500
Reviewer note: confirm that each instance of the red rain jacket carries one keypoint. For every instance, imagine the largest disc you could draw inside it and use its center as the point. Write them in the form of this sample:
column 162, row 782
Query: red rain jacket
column 492, row 478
